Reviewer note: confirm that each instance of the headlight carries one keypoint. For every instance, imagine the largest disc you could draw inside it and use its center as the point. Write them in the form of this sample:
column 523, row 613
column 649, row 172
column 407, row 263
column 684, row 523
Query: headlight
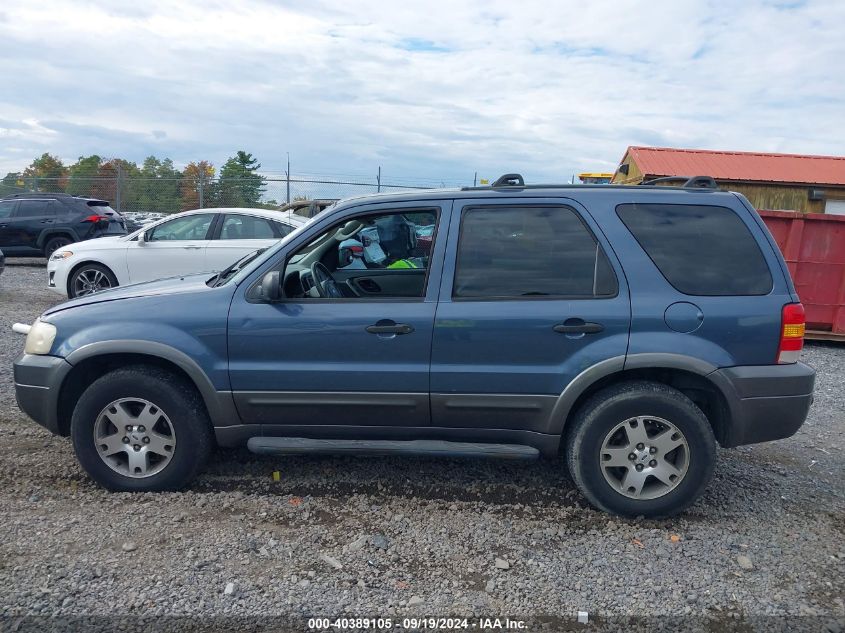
column 40, row 338
column 60, row 255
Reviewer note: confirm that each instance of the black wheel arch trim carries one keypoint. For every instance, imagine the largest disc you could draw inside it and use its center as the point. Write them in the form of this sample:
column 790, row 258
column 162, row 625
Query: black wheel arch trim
column 219, row 404
column 47, row 234
column 618, row 365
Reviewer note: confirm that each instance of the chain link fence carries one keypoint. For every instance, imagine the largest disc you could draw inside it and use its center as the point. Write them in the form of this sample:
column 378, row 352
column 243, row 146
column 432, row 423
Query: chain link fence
column 170, row 195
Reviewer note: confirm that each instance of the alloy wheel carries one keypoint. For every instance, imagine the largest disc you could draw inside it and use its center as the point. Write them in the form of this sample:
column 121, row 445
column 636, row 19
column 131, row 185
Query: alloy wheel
column 644, row 457
column 89, row 281
column 134, row 437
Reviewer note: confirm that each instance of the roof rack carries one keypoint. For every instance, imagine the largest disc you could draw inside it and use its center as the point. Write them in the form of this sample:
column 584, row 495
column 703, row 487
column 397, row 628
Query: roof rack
column 516, row 181
column 509, row 180
column 690, row 182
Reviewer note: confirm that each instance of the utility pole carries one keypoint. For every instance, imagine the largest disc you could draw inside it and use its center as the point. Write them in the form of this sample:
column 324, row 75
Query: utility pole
column 287, row 178
column 378, row 180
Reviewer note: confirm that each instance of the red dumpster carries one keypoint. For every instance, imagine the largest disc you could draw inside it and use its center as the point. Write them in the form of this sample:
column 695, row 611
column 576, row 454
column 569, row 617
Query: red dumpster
column 813, row 245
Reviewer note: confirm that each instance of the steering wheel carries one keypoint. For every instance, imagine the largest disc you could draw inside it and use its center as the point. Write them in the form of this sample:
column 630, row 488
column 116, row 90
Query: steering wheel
column 324, row 282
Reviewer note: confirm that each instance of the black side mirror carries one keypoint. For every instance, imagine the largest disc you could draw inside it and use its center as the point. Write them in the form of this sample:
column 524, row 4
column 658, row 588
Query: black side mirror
column 271, row 286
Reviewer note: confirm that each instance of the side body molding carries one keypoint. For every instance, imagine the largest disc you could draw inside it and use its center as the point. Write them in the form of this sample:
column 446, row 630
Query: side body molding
column 220, row 405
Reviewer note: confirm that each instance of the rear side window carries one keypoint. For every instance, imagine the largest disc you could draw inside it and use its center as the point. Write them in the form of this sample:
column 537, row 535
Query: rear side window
column 525, row 252
column 246, row 227
column 701, row 250
column 34, row 209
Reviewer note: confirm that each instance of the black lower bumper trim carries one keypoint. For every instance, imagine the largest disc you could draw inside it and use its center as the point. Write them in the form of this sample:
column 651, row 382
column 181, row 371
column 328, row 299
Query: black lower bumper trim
column 765, row 403
column 38, row 380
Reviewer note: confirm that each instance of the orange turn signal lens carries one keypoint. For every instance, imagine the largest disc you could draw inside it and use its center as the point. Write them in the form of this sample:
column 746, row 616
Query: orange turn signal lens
column 793, row 330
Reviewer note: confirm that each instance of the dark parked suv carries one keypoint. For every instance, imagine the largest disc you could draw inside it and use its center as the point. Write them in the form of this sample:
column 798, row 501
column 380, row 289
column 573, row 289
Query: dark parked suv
column 33, row 224
column 624, row 330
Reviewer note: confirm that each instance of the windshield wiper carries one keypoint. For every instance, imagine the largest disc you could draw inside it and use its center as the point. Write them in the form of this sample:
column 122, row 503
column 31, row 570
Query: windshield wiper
column 224, row 274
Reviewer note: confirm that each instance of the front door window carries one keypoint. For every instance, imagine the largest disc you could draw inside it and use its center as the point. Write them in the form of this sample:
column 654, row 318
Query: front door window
column 367, row 257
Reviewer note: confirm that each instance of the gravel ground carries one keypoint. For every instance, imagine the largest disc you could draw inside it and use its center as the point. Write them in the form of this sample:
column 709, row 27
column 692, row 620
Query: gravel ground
column 393, row 537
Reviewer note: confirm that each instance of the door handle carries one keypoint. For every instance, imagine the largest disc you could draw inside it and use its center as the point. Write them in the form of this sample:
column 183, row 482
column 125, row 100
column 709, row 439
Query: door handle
column 578, row 328
column 389, row 327
column 47, row 221
column 192, row 247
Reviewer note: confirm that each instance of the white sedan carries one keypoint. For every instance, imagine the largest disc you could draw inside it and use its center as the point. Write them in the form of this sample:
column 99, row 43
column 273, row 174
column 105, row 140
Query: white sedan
column 180, row 244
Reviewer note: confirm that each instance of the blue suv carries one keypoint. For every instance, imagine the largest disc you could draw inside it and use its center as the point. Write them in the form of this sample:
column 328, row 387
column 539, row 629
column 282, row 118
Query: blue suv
column 624, row 330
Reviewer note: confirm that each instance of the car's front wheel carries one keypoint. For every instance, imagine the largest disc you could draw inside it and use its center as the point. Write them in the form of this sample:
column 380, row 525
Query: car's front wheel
column 641, row 448
column 141, row 429
column 90, row 278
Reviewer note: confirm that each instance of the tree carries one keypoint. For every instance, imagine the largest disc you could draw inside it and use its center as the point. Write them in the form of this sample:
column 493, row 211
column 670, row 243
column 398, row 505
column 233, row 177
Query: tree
column 82, row 176
column 47, row 173
column 117, row 182
column 240, row 185
column 11, row 183
column 195, row 186
column 158, row 186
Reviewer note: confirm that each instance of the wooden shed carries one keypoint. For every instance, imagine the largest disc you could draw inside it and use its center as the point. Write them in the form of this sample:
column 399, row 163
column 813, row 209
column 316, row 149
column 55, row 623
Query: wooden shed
column 811, row 184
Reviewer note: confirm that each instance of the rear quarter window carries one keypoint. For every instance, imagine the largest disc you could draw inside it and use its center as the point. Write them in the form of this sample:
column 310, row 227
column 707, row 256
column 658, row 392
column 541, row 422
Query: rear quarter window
column 700, row 249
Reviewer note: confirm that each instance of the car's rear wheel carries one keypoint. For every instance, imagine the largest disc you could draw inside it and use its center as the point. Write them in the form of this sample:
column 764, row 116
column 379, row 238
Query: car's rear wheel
column 141, row 429
column 54, row 244
column 90, row 278
column 641, row 448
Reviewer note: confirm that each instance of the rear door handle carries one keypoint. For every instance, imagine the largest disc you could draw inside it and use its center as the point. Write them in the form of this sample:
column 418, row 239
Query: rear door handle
column 192, row 247
column 578, row 328
column 383, row 327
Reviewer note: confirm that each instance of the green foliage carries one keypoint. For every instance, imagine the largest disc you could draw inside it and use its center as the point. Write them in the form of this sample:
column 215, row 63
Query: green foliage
column 11, row 183
column 113, row 174
column 83, row 174
column 155, row 186
column 240, row 185
column 159, row 186
column 46, row 173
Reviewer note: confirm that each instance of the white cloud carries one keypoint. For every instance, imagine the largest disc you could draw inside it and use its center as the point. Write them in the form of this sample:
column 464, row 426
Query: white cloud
column 422, row 88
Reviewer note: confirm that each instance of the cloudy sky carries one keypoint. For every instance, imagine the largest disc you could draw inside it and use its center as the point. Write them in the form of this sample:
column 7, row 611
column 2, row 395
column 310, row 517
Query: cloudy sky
column 427, row 89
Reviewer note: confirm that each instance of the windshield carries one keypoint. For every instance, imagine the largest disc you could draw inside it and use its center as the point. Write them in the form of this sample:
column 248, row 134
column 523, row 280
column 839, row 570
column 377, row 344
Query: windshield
column 245, row 269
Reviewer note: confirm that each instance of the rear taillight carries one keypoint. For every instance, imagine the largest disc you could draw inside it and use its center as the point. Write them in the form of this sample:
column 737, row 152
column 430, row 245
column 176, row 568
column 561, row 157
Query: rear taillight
column 791, row 333
column 95, row 218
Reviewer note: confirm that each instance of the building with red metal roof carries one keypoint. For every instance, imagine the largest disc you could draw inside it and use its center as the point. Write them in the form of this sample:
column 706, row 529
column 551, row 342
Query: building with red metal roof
column 770, row 181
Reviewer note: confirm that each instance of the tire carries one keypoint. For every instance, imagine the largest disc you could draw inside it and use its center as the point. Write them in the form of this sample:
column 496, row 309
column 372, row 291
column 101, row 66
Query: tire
column 660, row 480
column 146, row 397
column 90, row 278
column 54, row 244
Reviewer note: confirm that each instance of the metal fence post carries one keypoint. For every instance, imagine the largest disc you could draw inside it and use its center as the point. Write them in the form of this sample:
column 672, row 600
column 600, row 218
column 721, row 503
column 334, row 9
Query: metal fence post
column 287, row 179
column 117, row 189
column 200, row 188
column 378, row 180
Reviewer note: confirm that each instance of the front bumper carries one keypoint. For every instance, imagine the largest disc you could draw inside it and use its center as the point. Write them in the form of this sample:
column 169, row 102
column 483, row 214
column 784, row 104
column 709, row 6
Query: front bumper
column 767, row 402
column 38, row 380
column 57, row 276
